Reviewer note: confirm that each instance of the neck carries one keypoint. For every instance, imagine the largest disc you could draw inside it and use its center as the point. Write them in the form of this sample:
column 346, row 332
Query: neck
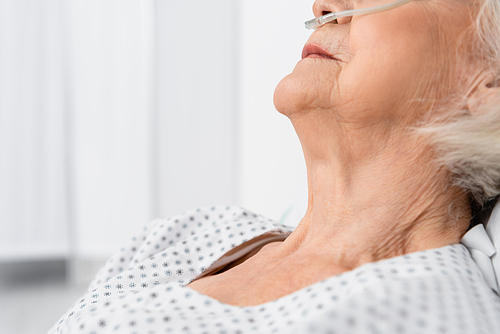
column 374, row 193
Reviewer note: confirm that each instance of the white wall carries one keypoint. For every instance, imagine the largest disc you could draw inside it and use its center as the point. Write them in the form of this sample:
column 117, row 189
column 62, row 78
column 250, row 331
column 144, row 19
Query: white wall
column 33, row 198
column 196, row 103
column 272, row 171
column 221, row 140
column 76, row 116
column 111, row 51
column 208, row 135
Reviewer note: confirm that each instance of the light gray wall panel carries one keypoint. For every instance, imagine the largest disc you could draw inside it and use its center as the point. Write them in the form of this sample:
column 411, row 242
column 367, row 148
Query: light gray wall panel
column 196, row 50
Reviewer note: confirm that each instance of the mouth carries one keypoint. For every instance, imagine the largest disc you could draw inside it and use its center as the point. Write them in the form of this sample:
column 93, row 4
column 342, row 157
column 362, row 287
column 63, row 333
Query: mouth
column 313, row 50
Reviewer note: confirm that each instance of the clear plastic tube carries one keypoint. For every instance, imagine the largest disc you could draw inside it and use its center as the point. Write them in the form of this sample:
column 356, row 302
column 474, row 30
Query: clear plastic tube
column 319, row 21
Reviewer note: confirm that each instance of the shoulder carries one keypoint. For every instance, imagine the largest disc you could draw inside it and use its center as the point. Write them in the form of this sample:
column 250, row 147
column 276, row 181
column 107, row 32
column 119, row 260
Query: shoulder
column 434, row 291
column 168, row 250
column 200, row 227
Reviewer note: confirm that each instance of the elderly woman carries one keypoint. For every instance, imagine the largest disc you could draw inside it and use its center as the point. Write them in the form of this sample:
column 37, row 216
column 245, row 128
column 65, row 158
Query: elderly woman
column 396, row 111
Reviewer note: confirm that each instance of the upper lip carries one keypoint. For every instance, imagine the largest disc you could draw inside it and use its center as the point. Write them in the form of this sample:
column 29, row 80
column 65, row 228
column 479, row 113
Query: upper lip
column 313, row 48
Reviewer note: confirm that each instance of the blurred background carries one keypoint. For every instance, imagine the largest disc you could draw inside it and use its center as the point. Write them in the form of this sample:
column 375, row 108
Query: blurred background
column 115, row 112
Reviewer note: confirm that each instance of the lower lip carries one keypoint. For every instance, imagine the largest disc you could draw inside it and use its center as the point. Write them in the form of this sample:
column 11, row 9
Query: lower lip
column 315, row 55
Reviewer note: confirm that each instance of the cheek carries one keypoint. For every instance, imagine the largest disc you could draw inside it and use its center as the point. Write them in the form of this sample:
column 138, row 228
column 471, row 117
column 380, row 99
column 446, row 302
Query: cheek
column 394, row 60
column 391, row 59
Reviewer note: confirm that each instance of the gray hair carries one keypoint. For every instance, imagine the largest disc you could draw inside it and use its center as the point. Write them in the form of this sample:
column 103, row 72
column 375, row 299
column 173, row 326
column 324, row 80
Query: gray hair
column 469, row 145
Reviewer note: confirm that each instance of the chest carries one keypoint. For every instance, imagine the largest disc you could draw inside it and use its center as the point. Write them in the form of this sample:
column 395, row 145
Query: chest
column 263, row 278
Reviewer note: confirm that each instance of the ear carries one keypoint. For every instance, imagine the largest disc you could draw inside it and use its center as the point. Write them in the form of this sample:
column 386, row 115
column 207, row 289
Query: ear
column 486, row 92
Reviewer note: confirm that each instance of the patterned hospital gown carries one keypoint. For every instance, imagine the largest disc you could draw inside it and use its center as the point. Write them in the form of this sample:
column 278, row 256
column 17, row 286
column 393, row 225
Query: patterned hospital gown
column 141, row 289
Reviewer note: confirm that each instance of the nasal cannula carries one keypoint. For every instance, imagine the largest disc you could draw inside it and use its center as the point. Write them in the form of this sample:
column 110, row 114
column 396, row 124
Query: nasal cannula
column 330, row 17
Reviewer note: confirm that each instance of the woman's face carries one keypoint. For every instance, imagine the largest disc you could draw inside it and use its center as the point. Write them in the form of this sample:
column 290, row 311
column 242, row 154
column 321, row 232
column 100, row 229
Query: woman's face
column 370, row 68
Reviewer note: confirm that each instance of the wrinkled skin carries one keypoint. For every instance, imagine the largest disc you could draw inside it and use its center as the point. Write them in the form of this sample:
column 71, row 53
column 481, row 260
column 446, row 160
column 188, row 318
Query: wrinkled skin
column 374, row 191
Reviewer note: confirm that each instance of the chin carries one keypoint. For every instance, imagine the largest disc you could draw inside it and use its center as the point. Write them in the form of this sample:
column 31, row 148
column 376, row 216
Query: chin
column 290, row 95
column 309, row 86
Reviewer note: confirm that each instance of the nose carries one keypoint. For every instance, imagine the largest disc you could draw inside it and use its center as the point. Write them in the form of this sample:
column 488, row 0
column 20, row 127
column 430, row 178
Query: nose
column 322, row 7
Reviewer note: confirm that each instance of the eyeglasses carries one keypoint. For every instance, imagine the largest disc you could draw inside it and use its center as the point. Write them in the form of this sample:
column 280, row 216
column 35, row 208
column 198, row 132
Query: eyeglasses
column 380, row 5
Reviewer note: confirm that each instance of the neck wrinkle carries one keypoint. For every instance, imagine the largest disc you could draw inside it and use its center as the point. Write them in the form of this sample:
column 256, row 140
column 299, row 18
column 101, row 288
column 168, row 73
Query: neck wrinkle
column 370, row 201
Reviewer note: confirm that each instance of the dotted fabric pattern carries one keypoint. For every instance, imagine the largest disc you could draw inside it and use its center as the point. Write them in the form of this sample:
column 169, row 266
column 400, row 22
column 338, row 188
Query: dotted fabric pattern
column 141, row 289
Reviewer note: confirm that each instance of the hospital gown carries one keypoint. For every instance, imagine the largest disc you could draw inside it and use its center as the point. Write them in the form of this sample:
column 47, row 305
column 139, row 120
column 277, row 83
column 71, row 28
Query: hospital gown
column 142, row 288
